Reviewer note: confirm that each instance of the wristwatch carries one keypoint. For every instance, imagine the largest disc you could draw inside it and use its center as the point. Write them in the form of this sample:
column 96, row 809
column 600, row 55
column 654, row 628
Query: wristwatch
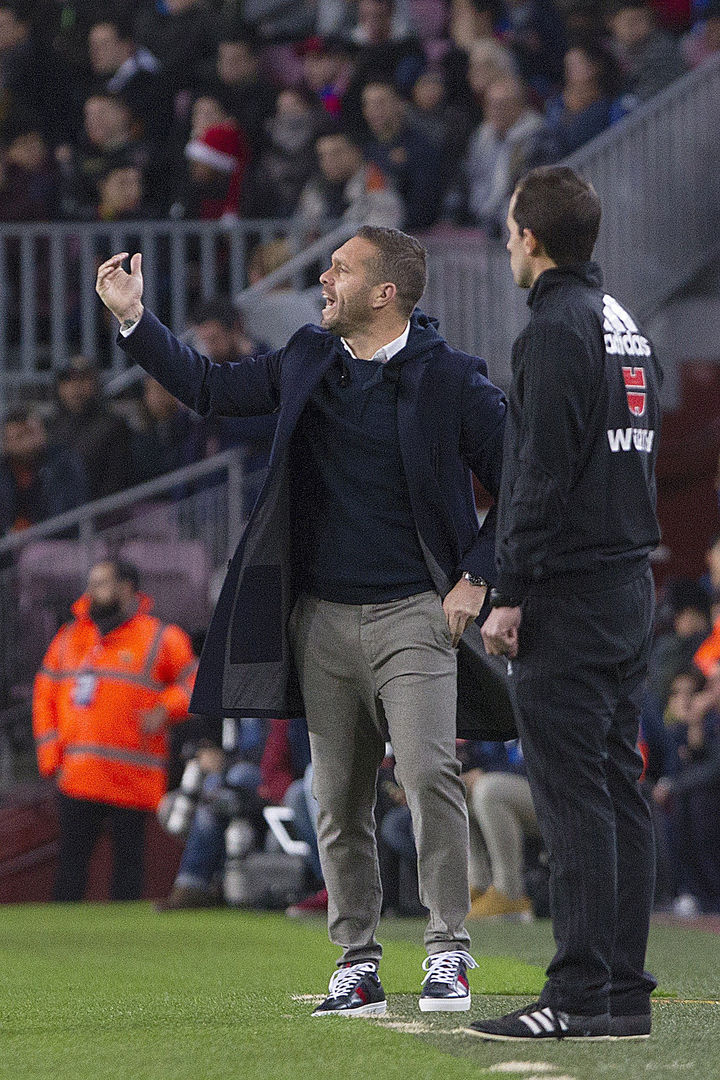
column 474, row 579
column 498, row 600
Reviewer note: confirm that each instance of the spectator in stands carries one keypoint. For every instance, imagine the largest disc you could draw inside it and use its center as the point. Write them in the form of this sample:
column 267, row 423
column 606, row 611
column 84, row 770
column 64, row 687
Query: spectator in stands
column 278, row 21
column 121, row 195
column 217, row 164
column 217, row 330
column 167, row 439
column 326, row 71
column 445, row 124
column 208, row 110
column 235, row 789
column 651, row 57
column 497, row 153
column 403, row 154
column 183, row 35
column 38, row 479
column 120, row 66
column 591, row 100
column 287, row 161
column 674, row 649
column 703, row 40
column 84, row 423
column 248, row 94
column 689, row 794
column 385, row 51
column 500, row 805
column 710, row 580
column 112, row 682
column 110, row 137
column 28, row 78
column 348, row 186
column 28, row 177
column 300, row 799
column 536, row 35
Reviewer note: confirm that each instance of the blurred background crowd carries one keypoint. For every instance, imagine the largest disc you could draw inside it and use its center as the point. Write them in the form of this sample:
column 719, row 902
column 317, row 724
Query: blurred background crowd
column 407, row 111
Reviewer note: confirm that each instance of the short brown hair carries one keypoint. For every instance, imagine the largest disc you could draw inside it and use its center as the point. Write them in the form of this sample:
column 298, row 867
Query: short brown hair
column 400, row 259
column 561, row 209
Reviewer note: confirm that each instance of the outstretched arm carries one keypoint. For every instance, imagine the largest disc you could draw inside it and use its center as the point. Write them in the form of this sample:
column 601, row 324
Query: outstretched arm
column 249, row 387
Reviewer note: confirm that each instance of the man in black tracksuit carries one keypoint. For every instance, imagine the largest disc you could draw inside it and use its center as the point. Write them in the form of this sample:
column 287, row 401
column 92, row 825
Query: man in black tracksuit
column 573, row 607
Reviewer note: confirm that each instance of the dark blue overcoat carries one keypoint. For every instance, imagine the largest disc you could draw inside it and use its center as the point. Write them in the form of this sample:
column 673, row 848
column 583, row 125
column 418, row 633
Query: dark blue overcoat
column 450, row 421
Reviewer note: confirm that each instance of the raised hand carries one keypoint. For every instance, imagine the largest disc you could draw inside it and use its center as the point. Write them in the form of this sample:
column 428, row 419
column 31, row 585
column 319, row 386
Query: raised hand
column 119, row 291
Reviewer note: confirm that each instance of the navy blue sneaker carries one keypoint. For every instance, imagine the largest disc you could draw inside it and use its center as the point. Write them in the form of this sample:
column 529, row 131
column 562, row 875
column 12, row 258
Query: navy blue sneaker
column 354, row 990
column 445, row 987
column 541, row 1022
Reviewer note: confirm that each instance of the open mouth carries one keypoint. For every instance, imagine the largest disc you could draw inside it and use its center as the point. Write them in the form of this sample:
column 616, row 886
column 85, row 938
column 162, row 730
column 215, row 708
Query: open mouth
column 329, row 303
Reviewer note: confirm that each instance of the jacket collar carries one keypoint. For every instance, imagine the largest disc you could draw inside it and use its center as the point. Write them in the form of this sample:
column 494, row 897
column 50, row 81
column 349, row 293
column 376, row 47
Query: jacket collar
column 81, row 608
column 588, row 273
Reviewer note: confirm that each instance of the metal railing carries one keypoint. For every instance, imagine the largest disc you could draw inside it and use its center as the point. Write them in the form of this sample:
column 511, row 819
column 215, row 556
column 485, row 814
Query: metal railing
column 207, row 503
column 48, row 305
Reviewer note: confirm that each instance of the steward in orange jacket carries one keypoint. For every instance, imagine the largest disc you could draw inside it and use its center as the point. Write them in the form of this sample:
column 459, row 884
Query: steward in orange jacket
column 91, row 696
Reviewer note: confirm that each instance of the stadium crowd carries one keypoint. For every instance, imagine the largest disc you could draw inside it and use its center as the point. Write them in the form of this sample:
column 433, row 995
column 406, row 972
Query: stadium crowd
column 400, row 112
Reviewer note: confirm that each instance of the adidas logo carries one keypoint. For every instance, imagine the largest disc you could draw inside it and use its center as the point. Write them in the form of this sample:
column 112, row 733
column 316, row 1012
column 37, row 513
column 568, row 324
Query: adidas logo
column 622, row 337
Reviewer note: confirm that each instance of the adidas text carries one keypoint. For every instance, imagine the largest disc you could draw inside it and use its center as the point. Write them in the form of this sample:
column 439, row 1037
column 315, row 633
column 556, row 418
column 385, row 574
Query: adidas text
column 630, row 439
column 627, row 345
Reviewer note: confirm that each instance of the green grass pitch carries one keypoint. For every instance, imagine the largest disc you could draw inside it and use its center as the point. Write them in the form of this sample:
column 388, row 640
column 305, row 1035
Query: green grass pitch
column 120, row 993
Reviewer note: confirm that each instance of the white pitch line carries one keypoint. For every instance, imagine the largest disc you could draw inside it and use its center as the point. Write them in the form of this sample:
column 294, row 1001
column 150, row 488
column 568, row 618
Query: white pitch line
column 524, row 1067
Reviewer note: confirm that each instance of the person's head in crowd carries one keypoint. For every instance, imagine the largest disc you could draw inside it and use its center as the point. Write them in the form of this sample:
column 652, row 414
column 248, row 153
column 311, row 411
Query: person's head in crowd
column 683, row 688
column 689, row 605
column 428, row 92
column 294, row 122
column 208, row 111
column 584, row 17
column 217, row 161
column 471, row 20
column 553, row 220
column 591, row 74
column 632, row 22
column 108, row 121
column 375, row 278
column 110, row 45
column 27, row 150
column 375, row 21
column 267, row 258
column 488, row 61
column 505, row 102
column 384, row 110
column 238, row 57
column 339, row 157
column 24, row 438
column 120, row 193
column 77, row 386
column 160, row 405
column 14, row 26
column 324, row 61
column 218, row 331
column 177, row 7
column 112, row 587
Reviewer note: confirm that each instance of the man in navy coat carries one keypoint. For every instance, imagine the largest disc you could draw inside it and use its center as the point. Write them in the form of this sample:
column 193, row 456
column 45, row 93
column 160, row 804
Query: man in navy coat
column 360, row 569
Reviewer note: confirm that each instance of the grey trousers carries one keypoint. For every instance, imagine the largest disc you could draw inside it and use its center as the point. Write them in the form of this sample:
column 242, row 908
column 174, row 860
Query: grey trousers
column 502, row 806
column 369, row 672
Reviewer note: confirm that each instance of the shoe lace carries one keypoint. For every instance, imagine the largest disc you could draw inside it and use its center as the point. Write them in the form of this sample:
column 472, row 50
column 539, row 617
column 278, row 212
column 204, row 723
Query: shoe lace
column 345, row 979
column 443, row 967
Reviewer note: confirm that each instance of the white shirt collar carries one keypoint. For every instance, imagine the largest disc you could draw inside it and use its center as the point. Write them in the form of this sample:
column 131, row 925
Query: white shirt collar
column 387, row 351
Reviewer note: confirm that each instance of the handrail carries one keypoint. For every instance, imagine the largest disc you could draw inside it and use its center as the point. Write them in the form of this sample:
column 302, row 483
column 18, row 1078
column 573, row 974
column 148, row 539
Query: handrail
column 229, row 460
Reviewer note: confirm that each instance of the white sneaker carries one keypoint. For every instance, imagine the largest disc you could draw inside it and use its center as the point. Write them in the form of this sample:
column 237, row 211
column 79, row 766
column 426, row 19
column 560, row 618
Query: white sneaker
column 445, row 987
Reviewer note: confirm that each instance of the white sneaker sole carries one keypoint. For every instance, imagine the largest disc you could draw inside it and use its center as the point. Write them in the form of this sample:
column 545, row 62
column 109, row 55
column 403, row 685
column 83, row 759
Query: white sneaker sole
column 375, row 1008
column 535, row 1038
column 444, row 1004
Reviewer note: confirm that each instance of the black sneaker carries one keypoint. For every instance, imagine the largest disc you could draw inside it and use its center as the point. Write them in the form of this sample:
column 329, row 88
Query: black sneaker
column 631, row 1027
column 354, row 990
column 541, row 1022
column 445, row 987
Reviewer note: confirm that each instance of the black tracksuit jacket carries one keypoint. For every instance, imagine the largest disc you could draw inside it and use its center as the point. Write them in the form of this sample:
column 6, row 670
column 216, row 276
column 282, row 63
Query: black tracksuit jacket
column 578, row 494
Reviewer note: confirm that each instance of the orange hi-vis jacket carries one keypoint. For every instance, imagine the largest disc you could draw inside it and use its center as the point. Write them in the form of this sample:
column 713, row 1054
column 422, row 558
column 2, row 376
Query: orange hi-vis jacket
column 89, row 699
